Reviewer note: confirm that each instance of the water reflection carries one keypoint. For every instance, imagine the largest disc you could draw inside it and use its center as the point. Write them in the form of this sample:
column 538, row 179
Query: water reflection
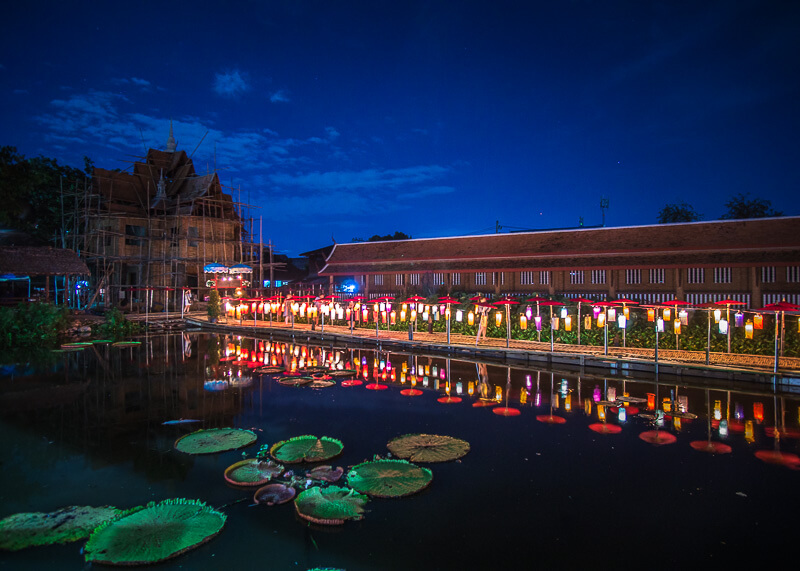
column 553, row 438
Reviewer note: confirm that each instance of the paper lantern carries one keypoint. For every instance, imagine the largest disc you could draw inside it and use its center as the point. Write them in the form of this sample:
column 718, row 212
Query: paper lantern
column 748, row 431
column 758, row 411
column 459, row 315
column 498, row 393
column 393, row 315
column 413, row 315
column 622, row 414
column 538, row 321
column 596, row 309
column 425, row 315
column 471, row 318
column 738, row 319
column 612, row 314
column 470, row 388
column 622, row 322
column 667, row 314
column 568, row 403
column 723, row 326
column 601, row 320
column 748, row 330
column 498, row 318
column 458, row 388
column 596, row 394
column 523, row 322
column 676, row 326
column 717, row 410
column 402, row 315
column 626, row 311
column 554, row 323
column 587, row 406
column 587, row 322
column 660, row 325
column 563, row 313
column 601, row 412
column 717, row 315
column 568, row 323
column 651, row 314
column 523, row 396
column 683, row 315
column 528, row 312
column 758, row 321
column 723, row 428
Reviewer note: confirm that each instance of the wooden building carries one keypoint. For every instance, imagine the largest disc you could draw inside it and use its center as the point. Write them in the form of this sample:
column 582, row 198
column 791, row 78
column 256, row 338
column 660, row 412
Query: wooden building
column 756, row 261
column 40, row 273
column 152, row 230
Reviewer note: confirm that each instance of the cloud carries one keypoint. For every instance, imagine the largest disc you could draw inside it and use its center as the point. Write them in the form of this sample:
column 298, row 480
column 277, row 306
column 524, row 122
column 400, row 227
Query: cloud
column 369, row 179
column 280, row 96
column 332, row 133
column 231, row 83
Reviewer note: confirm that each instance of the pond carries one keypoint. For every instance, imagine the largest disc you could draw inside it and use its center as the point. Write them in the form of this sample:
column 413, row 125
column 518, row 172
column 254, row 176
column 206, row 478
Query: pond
column 548, row 482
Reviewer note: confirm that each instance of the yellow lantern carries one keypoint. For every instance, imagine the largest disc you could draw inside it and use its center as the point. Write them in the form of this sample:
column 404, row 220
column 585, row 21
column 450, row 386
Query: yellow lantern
column 394, row 317
column 568, row 403
column 587, row 406
column 413, row 315
column 748, row 330
column 568, row 323
column 523, row 396
column 667, row 314
column 523, row 322
column 471, row 318
column 758, row 321
column 676, row 325
column 748, row 431
column 587, row 322
column 601, row 412
column 651, row 314
column 402, row 315
column 717, row 410
column 498, row 318
column 717, row 315
column 601, row 319
column 626, row 311
column 471, row 388
column 364, row 314
column 498, row 393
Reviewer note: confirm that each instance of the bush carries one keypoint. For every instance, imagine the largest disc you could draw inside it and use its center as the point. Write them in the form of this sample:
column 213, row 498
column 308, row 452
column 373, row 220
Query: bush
column 31, row 325
column 116, row 326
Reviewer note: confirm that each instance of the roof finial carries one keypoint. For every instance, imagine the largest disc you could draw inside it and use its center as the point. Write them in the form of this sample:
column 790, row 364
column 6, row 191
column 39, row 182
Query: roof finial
column 171, row 144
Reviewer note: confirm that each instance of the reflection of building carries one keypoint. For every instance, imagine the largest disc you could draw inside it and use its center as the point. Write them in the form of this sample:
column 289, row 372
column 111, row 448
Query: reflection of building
column 156, row 227
column 756, row 261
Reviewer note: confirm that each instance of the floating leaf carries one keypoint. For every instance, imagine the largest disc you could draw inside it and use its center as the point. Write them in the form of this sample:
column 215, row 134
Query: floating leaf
column 342, row 374
column 274, row 494
column 330, row 506
column 321, row 383
column 252, row 472
column 306, row 448
column 211, row 440
column 325, row 473
column 428, row 447
column 126, row 343
column 389, row 478
column 61, row 526
column 269, row 370
column 290, row 381
column 157, row 532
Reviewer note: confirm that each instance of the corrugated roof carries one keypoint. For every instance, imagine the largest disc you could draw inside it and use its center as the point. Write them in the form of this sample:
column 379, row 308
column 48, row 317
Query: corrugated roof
column 40, row 261
column 764, row 241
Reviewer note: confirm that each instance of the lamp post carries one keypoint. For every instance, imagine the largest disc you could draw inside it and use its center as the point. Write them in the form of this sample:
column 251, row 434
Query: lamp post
column 508, row 303
column 448, row 300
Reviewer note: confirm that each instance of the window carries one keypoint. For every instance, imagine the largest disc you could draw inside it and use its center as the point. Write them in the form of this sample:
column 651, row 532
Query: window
column 138, row 231
column 378, row 279
column 768, row 274
column 480, row 278
column 399, row 279
column 598, row 276
column 633, row 276
column 193, row 235
column 498, row 275
column 413, row 279
column 438, row 278
column 695, row 275
column 576, row 277
column 657, row 275
column 456, row 279
column 363, row 280
column 544, row 277
column 793, row 274
column 722, row 275
column 526, row 278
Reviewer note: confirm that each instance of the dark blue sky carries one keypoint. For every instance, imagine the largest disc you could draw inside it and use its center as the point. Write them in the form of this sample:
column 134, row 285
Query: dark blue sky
column 349, row 119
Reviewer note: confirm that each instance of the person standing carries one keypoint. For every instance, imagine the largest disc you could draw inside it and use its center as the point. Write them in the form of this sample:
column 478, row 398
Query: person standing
column 483, row 319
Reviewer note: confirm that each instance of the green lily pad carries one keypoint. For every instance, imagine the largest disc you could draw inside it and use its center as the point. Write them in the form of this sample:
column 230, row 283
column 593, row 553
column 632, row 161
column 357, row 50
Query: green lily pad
column 428, row 447
column 388, row 478
column 211, row 440
column 61, row 526
column 330, row 506
column 306, row 448
column 157, row 532
column 252, row 472
column 126, row 343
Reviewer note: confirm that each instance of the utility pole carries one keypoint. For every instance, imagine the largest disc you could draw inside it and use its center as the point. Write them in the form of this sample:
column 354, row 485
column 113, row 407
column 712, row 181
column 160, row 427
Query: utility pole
column 603, row 208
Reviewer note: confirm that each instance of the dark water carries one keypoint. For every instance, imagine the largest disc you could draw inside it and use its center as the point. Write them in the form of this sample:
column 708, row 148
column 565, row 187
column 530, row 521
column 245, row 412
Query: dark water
column 87, row 429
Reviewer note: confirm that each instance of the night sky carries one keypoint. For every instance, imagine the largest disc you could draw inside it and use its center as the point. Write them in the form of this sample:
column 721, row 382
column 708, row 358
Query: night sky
column 347, row 119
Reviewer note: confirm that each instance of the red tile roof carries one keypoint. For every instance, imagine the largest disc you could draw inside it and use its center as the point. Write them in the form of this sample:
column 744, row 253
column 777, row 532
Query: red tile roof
column 765, row 241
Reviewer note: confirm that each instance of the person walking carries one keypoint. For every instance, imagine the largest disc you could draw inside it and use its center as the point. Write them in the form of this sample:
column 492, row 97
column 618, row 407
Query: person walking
column 483, row 319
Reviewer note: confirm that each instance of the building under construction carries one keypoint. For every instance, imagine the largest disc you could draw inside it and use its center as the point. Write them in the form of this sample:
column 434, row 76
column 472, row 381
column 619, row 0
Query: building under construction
column 147, row 234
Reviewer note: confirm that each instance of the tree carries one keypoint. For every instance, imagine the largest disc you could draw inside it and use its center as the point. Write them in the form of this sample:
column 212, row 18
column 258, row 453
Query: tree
column 376, row 238
column 740, row 206
column 30, row 193
column 678, row 213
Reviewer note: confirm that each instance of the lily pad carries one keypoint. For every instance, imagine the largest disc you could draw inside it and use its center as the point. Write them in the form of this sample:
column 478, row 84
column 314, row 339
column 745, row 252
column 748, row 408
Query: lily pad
column 306, row 448
column 290, row 381
column 159, row 531
column 428, row 447
column 321, row 383
column 344, row 373
column 389, row 478
column 211, row 440
column 325, row 473
column 61, row 526
column 330, row 506
column 126, row 343
column 274, row 494
column 269, row 370
column 252, row 472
